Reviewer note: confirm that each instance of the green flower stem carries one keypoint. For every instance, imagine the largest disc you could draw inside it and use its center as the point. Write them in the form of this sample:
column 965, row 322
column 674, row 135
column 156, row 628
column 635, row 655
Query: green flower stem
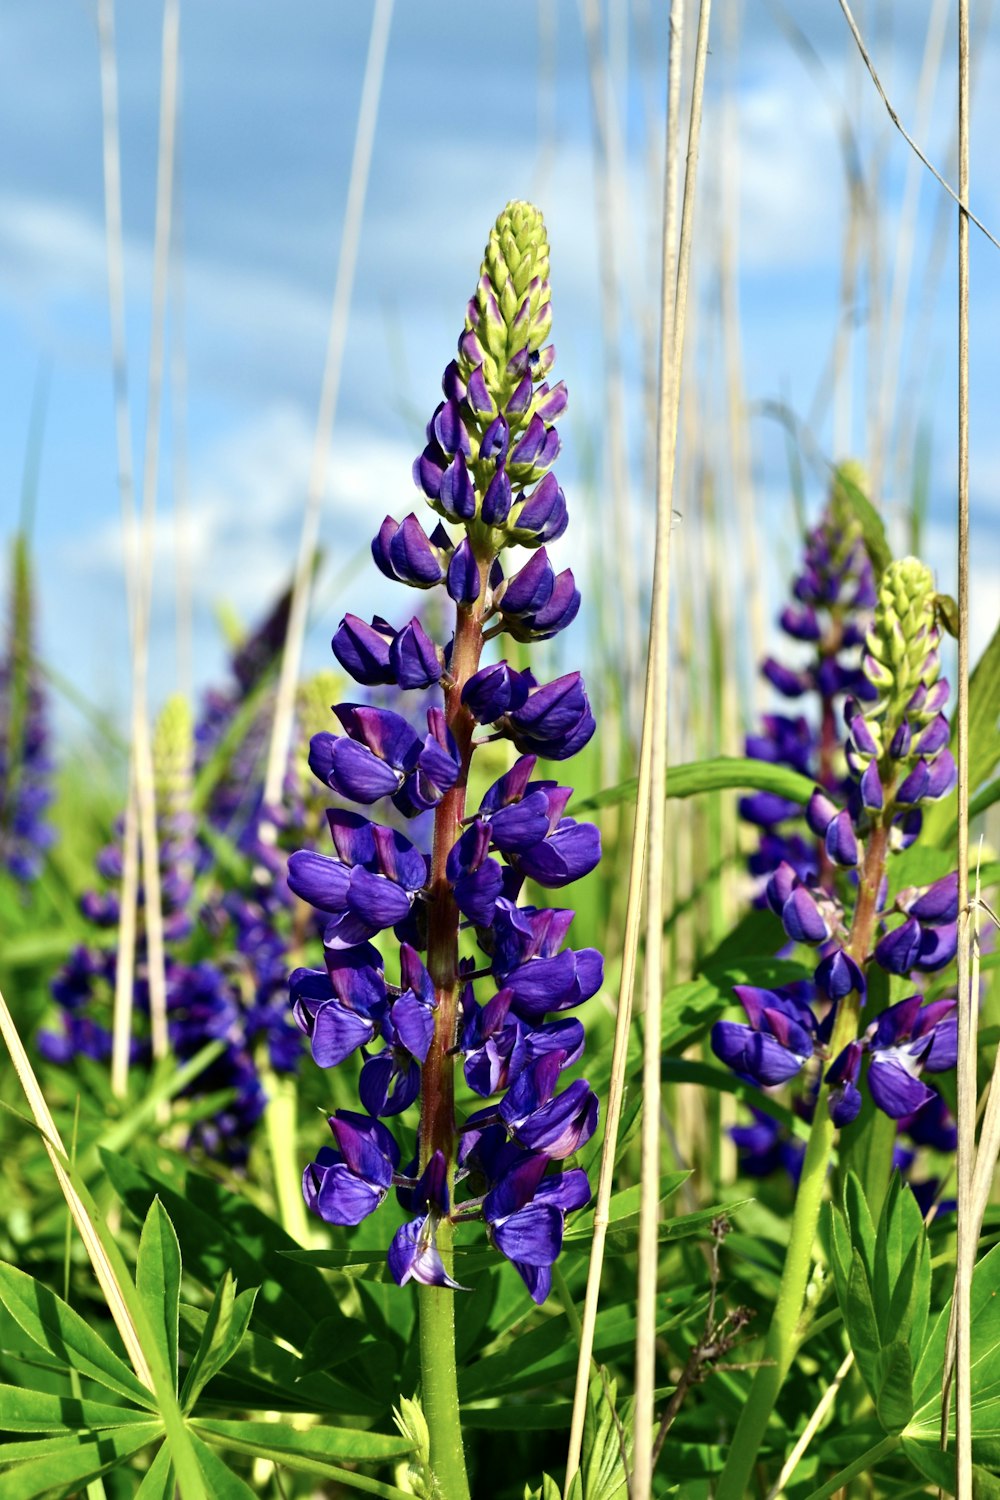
column 783, row 1334
column 439, row 1381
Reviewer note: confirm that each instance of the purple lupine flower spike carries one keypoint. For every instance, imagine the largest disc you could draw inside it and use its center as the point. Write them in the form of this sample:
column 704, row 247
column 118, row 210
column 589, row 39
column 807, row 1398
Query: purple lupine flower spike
column 896, row 751
column 486, row 470
column 26, row 765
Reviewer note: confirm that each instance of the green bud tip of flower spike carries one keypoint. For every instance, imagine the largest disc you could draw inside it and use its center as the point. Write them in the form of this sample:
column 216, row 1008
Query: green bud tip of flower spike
column 902, row 643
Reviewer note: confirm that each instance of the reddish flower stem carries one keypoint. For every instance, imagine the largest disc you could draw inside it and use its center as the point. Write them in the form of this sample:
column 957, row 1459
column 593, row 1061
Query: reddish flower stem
column 437, row 1120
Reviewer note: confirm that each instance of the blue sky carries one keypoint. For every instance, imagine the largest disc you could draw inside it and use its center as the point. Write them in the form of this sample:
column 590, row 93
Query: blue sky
column 480, row 104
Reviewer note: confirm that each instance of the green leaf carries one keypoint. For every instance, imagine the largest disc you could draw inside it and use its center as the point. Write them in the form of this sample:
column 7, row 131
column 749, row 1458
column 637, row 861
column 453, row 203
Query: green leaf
column 924, row 1428
column 939, row 1468
column 53, row 1325
column 292, row 1458
column 526, row 1416
column 894, row 1394
column 860, row 1221
column 602, row 1469
column 901, row 1281
column 841, row 1251
column 872, row 528
column 343, row 1444
column 262, row 1374
column 224, row 1330
column 623, row 1210
column 158, row 1482
column 220, row 1481
column 724, row 773
column 43, row 1411
column 984, row 710
column 158, row 1279
column 862, row 1328
column 292, row 1296
column 70, row 1463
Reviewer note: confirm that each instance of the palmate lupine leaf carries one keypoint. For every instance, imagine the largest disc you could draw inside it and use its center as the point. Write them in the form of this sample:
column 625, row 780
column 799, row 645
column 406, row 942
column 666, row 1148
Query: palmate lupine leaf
column 883, row 1280
column 264, row 1375
column 920, row 1438
column 291, row 1296
column 62, row 1465
column 54, row 1326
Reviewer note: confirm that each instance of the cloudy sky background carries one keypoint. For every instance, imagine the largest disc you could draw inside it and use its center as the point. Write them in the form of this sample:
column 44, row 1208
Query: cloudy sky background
column 479, row 104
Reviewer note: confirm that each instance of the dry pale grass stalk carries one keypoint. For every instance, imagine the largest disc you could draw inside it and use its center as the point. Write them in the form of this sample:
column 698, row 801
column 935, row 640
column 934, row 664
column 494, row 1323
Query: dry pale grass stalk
column 609, row 171
column 114, row 258
column 811, row 1428
column 960, row 198
column 183, row 531
column 905, row 243
column 729, row 310
column 967, row 1001
column 142, row 746
column 669, row 375
column 291, row 660
column 52, row 1141
column 616, row 1095
column 674, row 309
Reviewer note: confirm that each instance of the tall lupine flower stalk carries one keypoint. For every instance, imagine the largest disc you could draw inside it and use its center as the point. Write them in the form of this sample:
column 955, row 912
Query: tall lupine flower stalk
column 486, row 471
column 26, row 766
column 834, row 596
column 896, row 749
column 834, row 593
column 240, row 1002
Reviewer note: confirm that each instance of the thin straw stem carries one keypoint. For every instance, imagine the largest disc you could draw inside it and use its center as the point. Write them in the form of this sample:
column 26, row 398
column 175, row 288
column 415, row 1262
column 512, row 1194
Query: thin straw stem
column 142, row 746
column 811, row 1428
column 967, row 1229
column 905, row 242
column 674, row 309
column 643, row 797
column 52, row 1141
column 609, row 170
column 616, row 1097
column 183, row 533
column 291, row 660
column 115, row 260
column 961, row 198
column 729, row 311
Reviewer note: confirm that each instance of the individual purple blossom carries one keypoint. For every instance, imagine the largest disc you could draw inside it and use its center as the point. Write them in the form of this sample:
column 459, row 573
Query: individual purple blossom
column 347, row 1183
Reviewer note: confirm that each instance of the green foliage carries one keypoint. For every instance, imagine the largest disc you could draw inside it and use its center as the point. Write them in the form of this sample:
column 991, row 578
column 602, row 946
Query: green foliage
column 883, row 1280
column 85, row 1437
column 721, row 774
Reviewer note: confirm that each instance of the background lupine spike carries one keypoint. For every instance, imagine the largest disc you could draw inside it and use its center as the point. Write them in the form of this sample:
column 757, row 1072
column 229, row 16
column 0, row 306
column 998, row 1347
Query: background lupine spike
column 173, row 757
column 26, row 789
